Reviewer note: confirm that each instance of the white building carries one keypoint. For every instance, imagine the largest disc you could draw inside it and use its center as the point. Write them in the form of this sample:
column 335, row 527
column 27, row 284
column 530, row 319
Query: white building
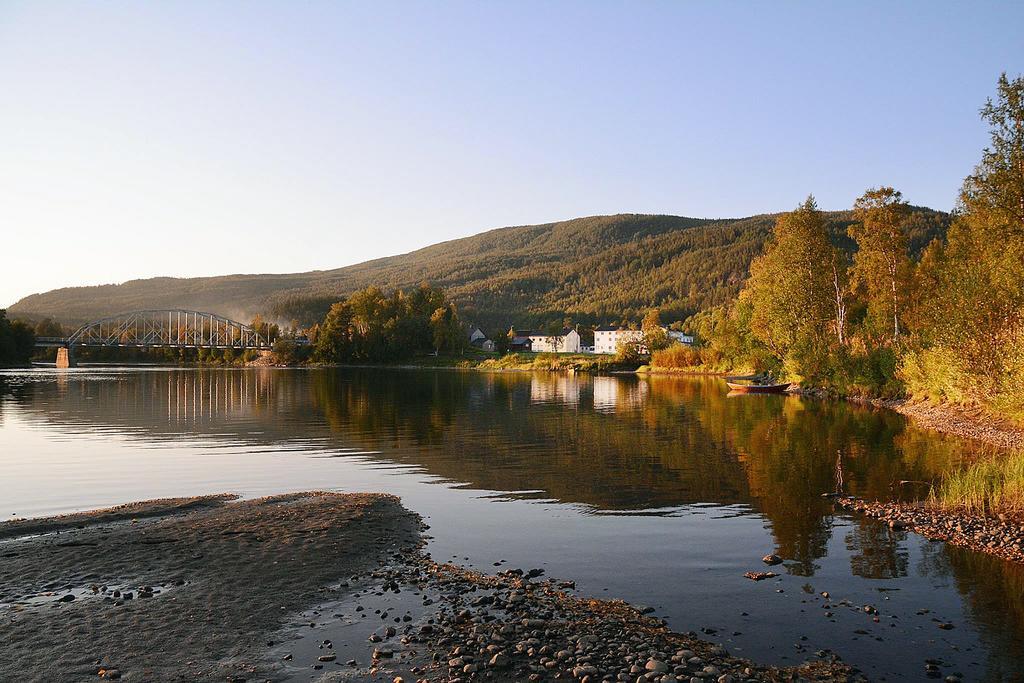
column 566, row 342
column 677, row 336
column 607, row 339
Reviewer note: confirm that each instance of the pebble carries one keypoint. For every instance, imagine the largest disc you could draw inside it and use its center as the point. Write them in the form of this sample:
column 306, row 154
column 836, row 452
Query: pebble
column 516, row 626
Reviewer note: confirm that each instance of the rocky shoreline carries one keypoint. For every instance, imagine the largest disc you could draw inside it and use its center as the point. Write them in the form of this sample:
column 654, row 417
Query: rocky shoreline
column 518, row 626
column 1000, row 536
column 959, row 421
column 282, row 588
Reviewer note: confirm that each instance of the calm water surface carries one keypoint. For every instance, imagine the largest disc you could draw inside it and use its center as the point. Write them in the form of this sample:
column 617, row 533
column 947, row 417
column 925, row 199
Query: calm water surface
column 661, row 491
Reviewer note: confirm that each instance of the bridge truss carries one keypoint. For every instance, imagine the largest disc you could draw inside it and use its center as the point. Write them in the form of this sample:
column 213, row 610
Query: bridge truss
column 168, row 328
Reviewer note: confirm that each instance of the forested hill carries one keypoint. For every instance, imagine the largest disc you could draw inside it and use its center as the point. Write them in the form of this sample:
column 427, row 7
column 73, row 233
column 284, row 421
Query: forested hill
column 596, row 269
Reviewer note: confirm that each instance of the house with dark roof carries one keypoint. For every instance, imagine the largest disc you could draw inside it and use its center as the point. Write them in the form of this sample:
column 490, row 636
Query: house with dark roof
column 519, row 340
column 478, row 339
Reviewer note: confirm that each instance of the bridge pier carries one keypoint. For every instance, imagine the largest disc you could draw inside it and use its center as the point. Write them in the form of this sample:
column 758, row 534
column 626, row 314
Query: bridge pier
column 64, row 358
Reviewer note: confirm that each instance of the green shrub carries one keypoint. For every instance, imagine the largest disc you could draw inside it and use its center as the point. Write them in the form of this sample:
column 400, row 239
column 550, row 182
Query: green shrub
column 934, row 374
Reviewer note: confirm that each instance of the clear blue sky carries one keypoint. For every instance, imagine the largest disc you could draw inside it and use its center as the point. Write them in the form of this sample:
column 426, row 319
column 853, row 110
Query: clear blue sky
column 201, row 138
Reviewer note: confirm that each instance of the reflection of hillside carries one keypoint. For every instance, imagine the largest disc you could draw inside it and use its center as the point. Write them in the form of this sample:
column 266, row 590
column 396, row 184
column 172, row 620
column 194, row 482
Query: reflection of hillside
column 489, row 431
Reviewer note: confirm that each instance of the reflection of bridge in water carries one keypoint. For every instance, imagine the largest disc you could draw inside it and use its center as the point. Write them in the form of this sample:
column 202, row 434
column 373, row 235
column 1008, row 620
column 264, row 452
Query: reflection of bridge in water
column 157, row 329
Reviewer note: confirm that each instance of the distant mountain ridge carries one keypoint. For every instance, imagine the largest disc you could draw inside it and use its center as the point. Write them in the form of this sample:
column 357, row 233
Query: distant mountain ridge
column 593, row 269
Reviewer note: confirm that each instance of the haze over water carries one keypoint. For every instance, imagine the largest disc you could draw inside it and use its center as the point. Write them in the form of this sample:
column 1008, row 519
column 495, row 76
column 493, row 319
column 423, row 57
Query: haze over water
column 661, row 491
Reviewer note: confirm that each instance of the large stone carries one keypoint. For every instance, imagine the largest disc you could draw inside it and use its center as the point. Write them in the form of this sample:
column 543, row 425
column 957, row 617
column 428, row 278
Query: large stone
column 657, row 666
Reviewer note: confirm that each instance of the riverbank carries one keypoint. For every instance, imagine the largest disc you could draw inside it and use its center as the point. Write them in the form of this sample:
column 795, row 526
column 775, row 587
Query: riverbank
column 1002, row 536
column 967, row 423
column 511, row 362
column 281, row 588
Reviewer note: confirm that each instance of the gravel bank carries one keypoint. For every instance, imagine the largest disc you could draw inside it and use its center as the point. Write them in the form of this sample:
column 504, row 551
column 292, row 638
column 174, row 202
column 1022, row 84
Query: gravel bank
column 1002, row 536
column 518, row 626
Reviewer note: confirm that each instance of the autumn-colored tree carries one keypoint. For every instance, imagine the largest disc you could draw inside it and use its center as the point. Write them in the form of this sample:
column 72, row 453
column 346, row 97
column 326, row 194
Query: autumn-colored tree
column 372, row 325
column 972, row 322
column 838, row 276
column 655, row 336
column 995, row 190
column 881, row 266
column 443, row 325
column 789, row 291
column 334, row 339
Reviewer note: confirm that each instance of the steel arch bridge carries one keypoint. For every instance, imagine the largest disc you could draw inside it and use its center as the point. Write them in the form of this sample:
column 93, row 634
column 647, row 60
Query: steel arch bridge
column 167, row 328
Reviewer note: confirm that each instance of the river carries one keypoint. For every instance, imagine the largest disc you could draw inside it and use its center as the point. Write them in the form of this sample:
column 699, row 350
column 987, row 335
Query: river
column 659, row 490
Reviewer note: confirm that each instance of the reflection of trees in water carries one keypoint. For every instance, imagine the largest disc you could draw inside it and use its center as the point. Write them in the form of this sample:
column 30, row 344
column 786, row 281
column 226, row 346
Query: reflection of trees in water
column 509, row 432
column 13, row 390
column 609, row 442
column 875, row 551
column 387, row 409
column 789, row 448
column 993, row 589
column 612, row 443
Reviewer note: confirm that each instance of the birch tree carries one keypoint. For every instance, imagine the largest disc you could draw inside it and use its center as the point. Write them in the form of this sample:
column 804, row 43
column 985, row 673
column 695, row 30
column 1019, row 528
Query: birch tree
column 881, row 266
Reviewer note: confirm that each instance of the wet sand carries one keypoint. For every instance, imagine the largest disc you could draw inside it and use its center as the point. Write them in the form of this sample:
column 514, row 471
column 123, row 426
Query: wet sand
column 179, row 590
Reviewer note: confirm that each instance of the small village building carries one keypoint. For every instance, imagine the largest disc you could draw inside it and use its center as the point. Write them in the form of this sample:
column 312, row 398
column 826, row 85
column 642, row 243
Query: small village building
column 519, row 340
column 478, row 339
column 604, row 339
column 568, row 341
column 607, row 338
column 680, row 337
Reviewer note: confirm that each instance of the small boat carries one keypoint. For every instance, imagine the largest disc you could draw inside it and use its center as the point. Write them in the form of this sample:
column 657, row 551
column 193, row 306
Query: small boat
column 758, row 388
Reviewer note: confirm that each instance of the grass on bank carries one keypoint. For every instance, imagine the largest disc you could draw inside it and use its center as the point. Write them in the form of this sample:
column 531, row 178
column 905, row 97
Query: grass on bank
column 991, row 486
column 579, row 362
